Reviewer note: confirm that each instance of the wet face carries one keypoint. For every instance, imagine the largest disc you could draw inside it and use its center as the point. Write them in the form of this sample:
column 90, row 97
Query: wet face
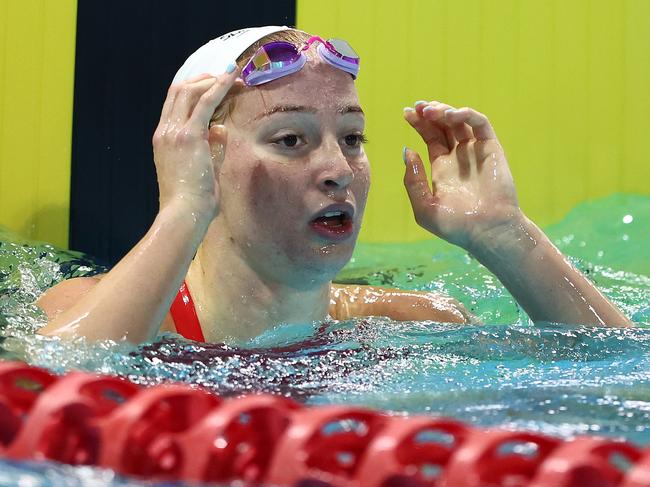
column 295, row 177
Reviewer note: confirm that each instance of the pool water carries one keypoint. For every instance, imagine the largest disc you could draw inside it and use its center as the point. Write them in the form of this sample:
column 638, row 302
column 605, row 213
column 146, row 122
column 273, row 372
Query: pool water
column 558, row 379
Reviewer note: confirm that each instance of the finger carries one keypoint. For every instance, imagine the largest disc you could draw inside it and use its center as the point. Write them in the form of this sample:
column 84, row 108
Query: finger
column 435, row 112
column 422, row 104
column 199, row 77
column 173, row 92
column 168, row 104
column 187, row 98
column 486, row 144
column 479, row 123
column 434, row 109
column 416, row 183
column 210, row 100
column 432, row 135
column 462, row 132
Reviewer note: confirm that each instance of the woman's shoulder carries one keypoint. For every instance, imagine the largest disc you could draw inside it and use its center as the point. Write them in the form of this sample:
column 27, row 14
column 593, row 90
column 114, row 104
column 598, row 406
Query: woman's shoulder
column 65, row 294
column 347, row 301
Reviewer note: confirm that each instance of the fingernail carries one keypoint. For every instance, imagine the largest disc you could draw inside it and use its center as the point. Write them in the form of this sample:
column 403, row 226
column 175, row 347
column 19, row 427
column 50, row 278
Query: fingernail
column 409, row 109
column 404, row 155
column 231, row 67
column 419, row 102
column 450, row 110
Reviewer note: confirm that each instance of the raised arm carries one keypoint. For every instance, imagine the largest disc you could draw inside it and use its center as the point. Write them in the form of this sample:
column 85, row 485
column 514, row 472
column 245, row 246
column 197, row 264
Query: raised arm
column 132, row 300
column 472, row 203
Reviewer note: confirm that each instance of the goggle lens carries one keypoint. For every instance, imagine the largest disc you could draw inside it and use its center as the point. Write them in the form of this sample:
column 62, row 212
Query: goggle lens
column 343, row 48
column 273, row 55
column 280, row 58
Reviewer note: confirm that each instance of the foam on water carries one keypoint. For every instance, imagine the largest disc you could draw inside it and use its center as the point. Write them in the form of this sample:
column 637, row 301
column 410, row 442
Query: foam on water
column 558, row 379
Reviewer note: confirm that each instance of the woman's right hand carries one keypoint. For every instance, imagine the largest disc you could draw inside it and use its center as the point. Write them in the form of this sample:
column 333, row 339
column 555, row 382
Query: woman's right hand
column 155, row 268
column 182, row 153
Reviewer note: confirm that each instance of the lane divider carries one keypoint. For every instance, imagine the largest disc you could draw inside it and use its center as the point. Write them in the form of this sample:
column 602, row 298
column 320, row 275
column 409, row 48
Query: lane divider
column 179, row 432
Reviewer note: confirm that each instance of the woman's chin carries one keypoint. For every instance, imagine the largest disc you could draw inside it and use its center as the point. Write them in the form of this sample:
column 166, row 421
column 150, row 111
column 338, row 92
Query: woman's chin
column 333, row 256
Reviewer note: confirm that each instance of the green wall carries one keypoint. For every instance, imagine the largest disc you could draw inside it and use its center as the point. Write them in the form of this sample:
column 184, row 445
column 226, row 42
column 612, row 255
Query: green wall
column 565, row 83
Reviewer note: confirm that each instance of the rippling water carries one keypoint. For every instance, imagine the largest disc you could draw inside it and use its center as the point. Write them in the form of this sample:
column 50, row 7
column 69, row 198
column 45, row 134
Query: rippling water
column 558, row 379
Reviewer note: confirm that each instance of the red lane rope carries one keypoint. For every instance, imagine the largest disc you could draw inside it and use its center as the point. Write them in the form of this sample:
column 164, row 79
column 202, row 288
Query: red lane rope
column 178, row 432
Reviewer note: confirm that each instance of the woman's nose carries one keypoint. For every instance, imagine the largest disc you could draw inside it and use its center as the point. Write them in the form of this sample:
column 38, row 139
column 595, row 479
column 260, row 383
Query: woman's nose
column 337, row 173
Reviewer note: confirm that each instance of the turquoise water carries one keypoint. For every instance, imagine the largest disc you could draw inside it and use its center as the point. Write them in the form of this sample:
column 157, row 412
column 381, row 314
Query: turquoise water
column 558, row 379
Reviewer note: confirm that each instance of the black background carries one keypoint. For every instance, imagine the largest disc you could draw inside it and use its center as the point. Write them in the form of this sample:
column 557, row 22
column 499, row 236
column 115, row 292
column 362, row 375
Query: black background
column 126, row 56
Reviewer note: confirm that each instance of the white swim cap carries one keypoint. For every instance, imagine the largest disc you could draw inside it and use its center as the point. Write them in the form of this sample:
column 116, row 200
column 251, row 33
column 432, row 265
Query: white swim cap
column 215, row 56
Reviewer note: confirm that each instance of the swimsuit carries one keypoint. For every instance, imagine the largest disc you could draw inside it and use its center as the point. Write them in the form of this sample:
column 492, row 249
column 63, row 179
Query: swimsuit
column 184, row 315
column 187, row 322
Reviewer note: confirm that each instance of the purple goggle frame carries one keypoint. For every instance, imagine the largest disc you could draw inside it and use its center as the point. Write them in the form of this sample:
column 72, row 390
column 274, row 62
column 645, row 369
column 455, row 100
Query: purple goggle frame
column 277, row 59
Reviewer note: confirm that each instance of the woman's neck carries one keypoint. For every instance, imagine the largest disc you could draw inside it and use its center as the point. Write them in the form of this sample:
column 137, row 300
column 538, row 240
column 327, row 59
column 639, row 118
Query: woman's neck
column 234, row 301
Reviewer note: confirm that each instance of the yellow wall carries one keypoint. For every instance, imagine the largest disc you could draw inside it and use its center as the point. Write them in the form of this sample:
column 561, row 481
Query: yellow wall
column 566, row 84
column 37, row 44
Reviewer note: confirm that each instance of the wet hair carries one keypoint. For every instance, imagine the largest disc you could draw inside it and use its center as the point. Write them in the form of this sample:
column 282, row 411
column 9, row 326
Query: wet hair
column 294, row 36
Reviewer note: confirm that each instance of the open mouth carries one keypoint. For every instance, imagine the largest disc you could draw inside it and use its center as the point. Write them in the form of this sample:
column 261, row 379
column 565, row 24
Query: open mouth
column 333, row 224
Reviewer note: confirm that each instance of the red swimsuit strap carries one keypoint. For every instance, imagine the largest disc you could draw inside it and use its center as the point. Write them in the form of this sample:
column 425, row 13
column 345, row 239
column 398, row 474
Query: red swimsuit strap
column 184, row 315
column 187, row 322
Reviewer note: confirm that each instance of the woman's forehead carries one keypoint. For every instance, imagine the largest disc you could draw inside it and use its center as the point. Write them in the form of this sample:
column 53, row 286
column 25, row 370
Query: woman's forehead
column 316, row 87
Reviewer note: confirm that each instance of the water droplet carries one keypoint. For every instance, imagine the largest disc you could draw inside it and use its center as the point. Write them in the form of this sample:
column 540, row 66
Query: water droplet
column 628, row 219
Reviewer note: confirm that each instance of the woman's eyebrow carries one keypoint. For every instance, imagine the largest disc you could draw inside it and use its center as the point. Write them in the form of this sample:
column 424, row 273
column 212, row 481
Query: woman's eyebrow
column 351, row 109
column 285, row 108
column 305, row 109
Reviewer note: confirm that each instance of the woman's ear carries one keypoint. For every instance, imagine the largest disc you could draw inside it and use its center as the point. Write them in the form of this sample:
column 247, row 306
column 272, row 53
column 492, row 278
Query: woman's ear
column 217, row 137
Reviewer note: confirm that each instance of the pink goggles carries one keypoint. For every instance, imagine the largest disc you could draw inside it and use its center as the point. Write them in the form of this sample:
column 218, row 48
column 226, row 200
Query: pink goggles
column 277, row 59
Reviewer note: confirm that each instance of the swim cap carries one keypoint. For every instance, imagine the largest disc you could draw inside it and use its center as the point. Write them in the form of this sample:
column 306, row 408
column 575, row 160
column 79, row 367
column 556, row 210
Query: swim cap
column 215, row 56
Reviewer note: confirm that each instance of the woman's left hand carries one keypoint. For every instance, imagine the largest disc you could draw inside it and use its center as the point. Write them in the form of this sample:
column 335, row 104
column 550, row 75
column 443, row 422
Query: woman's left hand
column 473, row 203
column 472, row 197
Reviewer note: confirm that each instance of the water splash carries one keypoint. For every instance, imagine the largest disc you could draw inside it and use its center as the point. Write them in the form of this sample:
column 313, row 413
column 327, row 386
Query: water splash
column 551, row 378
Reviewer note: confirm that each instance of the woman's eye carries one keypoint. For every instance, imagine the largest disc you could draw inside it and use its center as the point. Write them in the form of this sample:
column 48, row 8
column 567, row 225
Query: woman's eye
column 355, row 140
column 290, row 140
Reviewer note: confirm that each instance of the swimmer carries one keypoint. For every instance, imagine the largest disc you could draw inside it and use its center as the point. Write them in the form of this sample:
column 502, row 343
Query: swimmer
column 263, row 181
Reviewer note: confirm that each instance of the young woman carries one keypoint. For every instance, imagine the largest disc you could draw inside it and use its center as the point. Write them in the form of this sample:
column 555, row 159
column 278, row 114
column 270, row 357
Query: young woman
column 263, row 182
